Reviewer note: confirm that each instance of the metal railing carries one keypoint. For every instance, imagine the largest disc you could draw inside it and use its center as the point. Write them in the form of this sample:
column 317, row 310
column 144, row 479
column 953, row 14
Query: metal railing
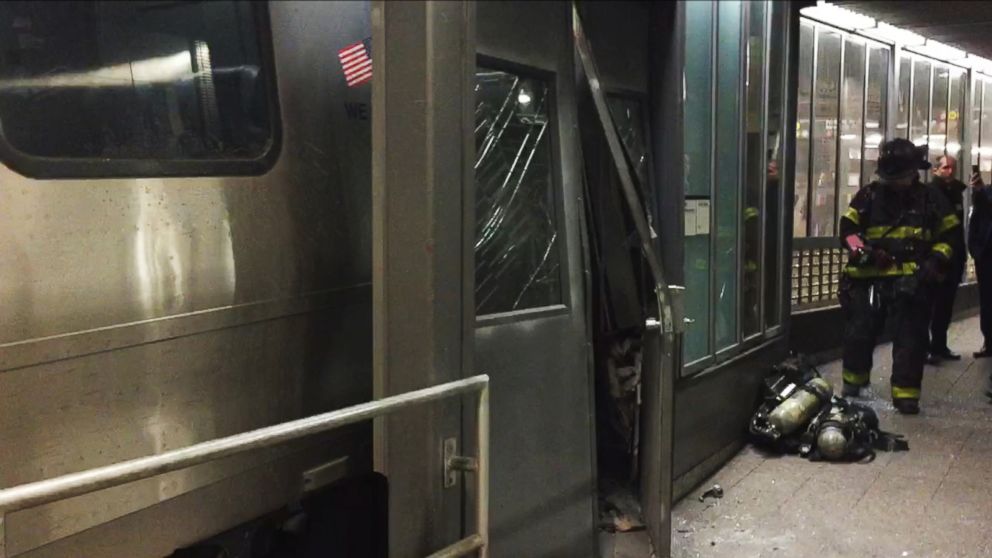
column 59, row 488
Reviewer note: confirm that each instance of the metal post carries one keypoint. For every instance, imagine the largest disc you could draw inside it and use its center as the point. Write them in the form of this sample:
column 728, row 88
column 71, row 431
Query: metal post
column 482, row 475
column 424, row 68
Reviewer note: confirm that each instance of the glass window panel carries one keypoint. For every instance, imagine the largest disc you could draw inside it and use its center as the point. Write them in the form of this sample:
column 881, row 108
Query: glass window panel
column 878, row 77
column 825, row 105
column 755, row 165
column 920, row 111
column 851, row 121
column 698, row 96
column 902, row 95
column 804, row 109
column 985, row 150
column 516, row 246
column 938, row 112
column 956, row 110
column 773, row 190
column 727, row 159
column 698, row 137
column 134, row 80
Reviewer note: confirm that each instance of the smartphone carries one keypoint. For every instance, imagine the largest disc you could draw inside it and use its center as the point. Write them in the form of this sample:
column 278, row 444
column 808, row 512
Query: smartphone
column 974, row 169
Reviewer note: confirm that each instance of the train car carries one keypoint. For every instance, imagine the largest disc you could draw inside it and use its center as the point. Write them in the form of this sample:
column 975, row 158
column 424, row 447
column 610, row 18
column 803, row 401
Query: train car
column 221, row 216
column 185, row 254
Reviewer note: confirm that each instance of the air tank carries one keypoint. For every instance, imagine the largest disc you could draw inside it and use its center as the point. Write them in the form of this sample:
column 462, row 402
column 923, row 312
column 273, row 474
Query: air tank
column 800, row 407
column 831, row 442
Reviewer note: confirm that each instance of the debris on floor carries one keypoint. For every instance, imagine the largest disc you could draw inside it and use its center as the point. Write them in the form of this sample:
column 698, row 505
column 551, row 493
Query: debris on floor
column 715, row 492
column 801, row 415
column 619, row 508
column 934, row 501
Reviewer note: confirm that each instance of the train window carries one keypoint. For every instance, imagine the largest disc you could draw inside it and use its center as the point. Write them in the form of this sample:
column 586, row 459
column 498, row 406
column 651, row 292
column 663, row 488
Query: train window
column 516, row 247
column 144, row 88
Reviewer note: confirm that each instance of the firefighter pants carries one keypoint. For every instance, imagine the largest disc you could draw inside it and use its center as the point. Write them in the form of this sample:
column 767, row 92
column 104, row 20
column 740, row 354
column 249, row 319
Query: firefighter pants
column 869, row 305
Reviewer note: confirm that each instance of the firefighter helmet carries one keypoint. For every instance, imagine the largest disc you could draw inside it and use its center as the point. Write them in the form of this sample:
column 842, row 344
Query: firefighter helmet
column 900, row 158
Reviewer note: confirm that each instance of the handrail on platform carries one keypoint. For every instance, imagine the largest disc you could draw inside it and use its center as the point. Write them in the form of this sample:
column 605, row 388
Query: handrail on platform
column 84, row 482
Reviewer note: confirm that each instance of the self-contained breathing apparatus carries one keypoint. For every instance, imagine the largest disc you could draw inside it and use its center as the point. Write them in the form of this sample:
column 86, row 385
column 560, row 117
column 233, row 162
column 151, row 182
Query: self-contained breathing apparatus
column 799, row 414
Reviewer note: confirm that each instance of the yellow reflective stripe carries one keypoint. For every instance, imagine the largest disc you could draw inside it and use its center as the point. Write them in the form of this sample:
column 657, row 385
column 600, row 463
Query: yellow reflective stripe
column 855, row 378
column 944, row 248
column 750, row 213
column 852, row 215
column 874, row 233
column 907, row 268
column 905, row 393
column 948, row 223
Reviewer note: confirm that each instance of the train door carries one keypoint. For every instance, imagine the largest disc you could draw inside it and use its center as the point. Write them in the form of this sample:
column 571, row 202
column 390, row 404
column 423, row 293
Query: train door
column 530, row 334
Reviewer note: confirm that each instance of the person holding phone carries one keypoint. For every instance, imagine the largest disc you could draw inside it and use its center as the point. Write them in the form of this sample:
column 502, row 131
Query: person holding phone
column 943, row 294
column 899, row 234
column 980, row 247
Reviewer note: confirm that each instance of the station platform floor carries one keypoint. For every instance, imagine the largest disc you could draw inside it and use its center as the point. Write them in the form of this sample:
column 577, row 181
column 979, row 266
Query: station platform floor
column 934, row 500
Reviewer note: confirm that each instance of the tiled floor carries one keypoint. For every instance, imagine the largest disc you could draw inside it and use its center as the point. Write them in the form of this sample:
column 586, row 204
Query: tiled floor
column 935, row 500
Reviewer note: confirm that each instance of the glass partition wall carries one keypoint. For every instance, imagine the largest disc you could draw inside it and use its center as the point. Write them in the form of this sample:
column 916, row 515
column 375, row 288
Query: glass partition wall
column 842, row 107
column 734, row 95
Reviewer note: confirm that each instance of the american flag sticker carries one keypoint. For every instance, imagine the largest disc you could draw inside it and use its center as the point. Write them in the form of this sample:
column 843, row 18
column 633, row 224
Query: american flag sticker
column 356, row 61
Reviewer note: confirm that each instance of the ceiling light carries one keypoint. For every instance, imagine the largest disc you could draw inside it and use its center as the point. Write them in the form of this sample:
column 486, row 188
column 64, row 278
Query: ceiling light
column 933, row 49
column 891, row 34
column 978, row 63
column 840, row 17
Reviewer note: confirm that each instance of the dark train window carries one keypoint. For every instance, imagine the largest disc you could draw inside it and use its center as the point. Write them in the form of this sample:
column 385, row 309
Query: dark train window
column 87, row 86
column 517, row 260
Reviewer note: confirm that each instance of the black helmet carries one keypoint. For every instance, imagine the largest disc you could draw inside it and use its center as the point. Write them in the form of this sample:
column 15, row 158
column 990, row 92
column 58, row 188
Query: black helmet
column 899, row 158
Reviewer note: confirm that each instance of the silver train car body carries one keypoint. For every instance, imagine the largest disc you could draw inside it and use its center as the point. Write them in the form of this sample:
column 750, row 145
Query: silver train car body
column 144, row 314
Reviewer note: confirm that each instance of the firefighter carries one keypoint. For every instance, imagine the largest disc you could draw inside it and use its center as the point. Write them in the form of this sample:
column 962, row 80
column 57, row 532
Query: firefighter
column 899, row 234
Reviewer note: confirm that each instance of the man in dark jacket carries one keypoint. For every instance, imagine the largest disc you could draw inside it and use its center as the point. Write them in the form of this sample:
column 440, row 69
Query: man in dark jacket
column 980, row 246
column 899, row 234
column 945, row 291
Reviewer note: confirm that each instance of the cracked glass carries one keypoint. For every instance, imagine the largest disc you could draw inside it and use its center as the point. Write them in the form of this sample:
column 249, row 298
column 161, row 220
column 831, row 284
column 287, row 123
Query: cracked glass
column 517, row 260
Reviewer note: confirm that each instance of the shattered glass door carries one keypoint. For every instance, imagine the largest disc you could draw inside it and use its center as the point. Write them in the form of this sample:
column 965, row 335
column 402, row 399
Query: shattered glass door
column 517, row 260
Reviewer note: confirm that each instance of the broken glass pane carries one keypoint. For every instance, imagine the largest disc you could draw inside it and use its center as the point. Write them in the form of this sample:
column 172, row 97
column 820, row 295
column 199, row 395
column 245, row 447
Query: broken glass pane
column 516, row 241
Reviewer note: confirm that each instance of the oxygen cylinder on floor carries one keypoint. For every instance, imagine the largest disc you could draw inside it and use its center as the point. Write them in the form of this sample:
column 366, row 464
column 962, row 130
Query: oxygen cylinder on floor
column 831, row 442
column 801, row 406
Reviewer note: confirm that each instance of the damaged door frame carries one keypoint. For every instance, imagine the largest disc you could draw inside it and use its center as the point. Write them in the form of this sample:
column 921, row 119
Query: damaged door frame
column 656, row 459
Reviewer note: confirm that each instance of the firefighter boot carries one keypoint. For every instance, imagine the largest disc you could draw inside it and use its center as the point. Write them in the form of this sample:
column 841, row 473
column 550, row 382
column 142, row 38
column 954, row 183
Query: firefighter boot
column 850, row 390
column 907, row 406
column 854, row 382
